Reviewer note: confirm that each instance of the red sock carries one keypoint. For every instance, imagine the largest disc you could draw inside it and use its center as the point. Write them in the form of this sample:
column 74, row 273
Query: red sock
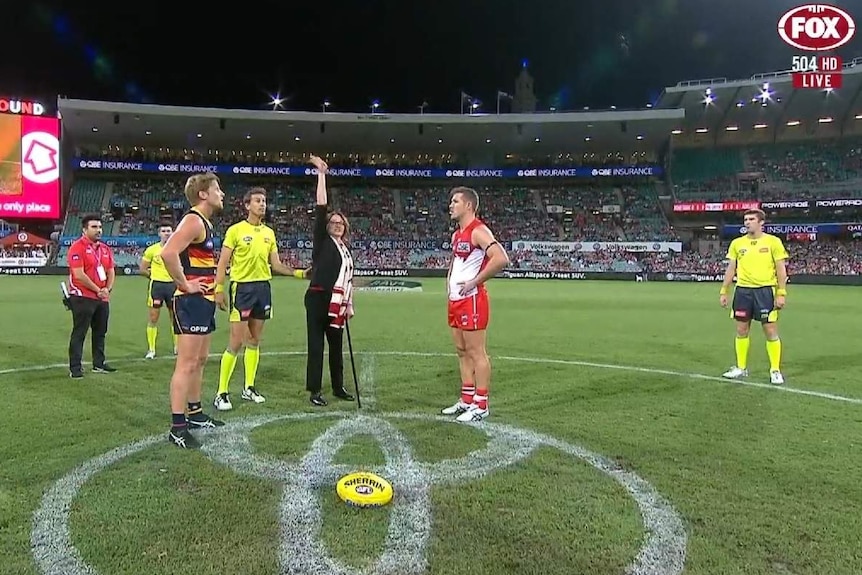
column 468, row 390
column 481, row 398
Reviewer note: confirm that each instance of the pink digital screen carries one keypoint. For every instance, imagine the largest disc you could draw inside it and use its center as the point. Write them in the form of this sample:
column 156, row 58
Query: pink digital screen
column 29, row 167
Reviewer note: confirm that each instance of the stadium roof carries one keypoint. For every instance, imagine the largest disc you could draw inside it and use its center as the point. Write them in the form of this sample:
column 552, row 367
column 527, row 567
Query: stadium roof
column 102, row 123
column 765, row 108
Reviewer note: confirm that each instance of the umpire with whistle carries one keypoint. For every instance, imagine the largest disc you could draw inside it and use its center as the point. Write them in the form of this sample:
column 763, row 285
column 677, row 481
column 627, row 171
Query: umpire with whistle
column 91, row 280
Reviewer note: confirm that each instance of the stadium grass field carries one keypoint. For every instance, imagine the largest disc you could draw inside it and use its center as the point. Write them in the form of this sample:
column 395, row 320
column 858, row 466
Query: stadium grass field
column 765, row 481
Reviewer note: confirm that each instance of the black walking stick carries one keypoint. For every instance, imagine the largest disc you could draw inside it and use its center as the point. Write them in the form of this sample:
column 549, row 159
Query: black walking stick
column 352, row 363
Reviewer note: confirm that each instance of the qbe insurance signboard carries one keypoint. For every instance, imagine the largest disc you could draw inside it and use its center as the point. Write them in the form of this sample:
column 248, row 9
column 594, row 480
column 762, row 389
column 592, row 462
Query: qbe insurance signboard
column 29, row 161
column 817, row 29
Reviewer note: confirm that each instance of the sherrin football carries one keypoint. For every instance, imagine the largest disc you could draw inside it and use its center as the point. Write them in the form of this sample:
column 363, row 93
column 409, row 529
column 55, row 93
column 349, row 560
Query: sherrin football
column 364, row 489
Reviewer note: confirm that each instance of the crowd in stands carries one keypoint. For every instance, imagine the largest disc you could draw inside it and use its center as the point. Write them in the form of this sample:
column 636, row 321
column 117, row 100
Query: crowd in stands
column 541, row 211
column 22, row 252
column 828, row 257
column 768, row 172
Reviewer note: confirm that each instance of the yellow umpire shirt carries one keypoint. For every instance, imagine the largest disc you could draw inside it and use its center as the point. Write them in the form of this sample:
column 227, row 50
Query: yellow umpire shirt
column 755, row 260
column 158, row 271
column 252, row 247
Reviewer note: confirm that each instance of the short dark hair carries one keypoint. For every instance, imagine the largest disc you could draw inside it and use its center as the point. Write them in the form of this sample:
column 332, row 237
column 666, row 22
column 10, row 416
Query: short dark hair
column 761, row 215
column 470, row 196
column 253, row 192
column 166, row 224
column 87, row 218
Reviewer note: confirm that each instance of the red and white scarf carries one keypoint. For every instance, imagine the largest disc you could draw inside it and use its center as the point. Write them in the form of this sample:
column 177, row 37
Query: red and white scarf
column 342, row 291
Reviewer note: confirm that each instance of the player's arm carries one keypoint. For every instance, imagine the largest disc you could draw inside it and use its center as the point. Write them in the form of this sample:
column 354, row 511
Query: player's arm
column 76, row 264
column 498, row 259
column 190, row 228
column 144, row 266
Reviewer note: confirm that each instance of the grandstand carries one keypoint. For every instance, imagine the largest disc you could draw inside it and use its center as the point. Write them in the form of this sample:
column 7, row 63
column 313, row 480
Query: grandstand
column 717, row 142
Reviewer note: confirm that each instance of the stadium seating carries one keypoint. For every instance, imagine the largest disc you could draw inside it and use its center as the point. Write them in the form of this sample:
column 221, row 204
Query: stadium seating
column 135, row 205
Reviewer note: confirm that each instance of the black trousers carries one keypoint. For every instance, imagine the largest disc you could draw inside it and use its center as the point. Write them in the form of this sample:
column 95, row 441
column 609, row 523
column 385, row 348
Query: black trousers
column 317, row 325
column 87, row 314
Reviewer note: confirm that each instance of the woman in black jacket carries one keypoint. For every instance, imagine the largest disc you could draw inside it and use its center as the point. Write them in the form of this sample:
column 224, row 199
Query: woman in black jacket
column 329, row 298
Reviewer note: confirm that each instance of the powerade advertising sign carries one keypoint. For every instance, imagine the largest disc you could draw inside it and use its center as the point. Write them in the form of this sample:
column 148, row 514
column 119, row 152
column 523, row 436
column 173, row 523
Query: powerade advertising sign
column 370, row 172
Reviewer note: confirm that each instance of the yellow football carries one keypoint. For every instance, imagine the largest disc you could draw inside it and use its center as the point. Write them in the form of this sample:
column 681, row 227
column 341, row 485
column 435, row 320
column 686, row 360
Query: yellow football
column 364, row 489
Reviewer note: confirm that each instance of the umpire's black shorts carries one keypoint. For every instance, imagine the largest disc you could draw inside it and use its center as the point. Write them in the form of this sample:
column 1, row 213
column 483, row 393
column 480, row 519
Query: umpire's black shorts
column 754, row 304
column 160, row 293
column 250, row 300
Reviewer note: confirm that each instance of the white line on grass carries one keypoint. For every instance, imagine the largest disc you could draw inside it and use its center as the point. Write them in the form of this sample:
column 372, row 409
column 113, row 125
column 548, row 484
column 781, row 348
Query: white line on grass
column 547, row 361
column 366, row 381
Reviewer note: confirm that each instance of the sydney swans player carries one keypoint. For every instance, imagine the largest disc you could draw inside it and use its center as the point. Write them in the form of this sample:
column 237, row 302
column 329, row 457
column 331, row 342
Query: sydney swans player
column 476, row 258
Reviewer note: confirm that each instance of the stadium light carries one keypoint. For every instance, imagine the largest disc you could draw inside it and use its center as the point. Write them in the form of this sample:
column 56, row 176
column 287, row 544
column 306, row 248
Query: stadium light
column 732, row 128
column 326, row 104
column 95, row 129
column 759, row 126
column 676, row 132
column 148, row 133
column 701, row 130
column 824, row 120
column 858, row 116
column 793, row 123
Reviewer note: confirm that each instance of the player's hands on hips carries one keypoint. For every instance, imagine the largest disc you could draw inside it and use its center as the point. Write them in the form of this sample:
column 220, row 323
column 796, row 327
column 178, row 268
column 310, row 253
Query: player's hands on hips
column 466, row 287
column 779, row 302
column 195, row 286
column 722, row 299
column 219, row 299
column 319, row 164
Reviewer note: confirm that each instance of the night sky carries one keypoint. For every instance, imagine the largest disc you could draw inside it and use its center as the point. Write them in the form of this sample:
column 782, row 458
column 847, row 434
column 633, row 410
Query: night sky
column 580, row 52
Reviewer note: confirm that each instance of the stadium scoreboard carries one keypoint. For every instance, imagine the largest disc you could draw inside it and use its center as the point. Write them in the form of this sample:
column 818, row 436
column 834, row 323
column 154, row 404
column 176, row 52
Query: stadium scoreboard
column 29, row 161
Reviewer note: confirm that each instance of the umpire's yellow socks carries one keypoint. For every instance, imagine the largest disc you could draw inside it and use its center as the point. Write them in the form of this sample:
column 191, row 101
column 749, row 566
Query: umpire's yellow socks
column 742, row 344
column 228, row 362
column 152, row 333
column 773, row 350
column 251, row 359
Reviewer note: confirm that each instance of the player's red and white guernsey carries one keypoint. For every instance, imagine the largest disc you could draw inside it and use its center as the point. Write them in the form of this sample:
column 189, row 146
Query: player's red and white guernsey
column 471, row 310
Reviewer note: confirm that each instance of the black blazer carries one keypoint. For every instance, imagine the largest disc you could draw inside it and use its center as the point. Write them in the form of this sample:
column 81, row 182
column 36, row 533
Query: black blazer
column 325, row 257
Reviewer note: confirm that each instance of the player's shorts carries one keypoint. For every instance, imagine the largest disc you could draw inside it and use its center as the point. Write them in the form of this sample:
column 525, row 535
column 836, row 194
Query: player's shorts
column 160, row 293
column 193, row 314
column 471, row 313
column 754, row 304
column 250, row 300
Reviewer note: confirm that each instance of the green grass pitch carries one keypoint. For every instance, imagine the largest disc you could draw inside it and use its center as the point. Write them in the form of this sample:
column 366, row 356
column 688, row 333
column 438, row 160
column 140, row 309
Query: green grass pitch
column 765, row 481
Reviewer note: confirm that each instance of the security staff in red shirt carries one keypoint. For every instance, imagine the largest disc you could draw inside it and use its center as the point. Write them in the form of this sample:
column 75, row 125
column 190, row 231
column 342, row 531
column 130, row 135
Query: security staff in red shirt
column 91, row 279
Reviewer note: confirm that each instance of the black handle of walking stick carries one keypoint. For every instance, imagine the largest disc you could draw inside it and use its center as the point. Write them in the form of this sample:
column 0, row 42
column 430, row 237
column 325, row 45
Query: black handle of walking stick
column 352, row 364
